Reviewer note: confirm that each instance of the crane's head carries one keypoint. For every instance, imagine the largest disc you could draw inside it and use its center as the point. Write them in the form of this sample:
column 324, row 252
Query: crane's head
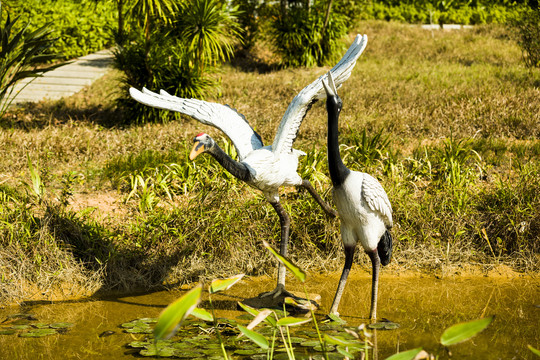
column 201, row 143
column 333, row 101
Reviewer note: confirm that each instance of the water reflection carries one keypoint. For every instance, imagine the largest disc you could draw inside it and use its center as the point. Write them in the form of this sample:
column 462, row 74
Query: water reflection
column 423, row 306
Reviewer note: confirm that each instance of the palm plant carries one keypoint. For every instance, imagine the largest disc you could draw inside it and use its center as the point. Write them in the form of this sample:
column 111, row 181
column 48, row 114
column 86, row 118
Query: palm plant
column 145, row 12
column 20, row 55
column 209, row 30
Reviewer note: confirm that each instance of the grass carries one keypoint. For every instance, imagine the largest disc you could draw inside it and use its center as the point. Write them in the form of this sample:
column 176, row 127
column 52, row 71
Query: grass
column 449, row 122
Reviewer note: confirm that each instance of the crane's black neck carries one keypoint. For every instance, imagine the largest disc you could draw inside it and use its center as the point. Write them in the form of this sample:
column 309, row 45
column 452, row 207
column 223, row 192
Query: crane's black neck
column 338, row 170
column 237, row 169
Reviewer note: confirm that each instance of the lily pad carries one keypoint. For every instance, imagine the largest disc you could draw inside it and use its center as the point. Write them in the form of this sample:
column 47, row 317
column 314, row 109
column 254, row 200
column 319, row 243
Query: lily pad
column 297, row 340
column 39, row 333
column 40, row 326
column 139, row 330
column 161, row 352
column 310, row 343
column 140, row 344
column 328, row 347
column 20, row 327
column 384, row 325
column 22, row 316
column 61, row 325
column 332, row 318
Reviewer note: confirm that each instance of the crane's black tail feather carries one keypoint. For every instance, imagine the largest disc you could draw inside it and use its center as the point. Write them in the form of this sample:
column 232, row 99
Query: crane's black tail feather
column 384, row 248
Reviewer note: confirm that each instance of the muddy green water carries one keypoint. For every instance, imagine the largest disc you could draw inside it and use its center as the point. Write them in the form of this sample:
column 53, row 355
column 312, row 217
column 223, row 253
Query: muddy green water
column 423, row 306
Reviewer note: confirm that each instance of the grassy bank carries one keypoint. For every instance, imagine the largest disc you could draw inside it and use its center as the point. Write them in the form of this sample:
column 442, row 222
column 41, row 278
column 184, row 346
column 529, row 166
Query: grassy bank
column 449, row 122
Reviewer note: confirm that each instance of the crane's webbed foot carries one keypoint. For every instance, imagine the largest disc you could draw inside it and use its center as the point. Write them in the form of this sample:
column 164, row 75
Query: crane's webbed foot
column 279, row 291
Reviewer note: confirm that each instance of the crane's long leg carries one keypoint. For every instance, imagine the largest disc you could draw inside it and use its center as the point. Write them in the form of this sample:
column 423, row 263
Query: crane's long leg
column 327, row 208
column 285, row 222
column 349, row 256
column 375, row 264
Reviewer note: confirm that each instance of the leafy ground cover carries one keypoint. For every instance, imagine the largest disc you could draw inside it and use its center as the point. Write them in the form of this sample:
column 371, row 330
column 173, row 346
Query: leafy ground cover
column 449, row 122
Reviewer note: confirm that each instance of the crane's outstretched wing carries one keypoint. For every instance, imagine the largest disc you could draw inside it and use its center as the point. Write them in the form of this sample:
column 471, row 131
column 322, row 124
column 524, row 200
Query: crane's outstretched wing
column 291, row 121
column 376, row 198
column 223, row 117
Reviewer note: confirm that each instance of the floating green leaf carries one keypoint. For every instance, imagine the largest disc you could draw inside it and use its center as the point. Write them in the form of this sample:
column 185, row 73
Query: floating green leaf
column 224, row 284
column 297, row 272
column 62, row 325
column 20, row 327
column 161, row 352
column 139, row 344
column 39, row 333
column 173, row 315
column 202, row 314
column 384, row 325
column 255, row 337
column 535, row 351
column 340, row 341
column 405, row 355
column 464, row 331
column 310, row 343
column 7, row 332
column 292, row 321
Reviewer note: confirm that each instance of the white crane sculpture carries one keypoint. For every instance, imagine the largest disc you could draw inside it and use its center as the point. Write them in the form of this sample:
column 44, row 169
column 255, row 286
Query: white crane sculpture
column 362, row 205
column 266, row 168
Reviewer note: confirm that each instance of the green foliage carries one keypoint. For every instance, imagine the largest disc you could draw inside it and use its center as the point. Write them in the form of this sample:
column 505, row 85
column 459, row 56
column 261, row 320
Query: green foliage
column 209, row 29
column 439, row 12
column 527, row 26
column 81, row 26
column 20, row 54
column 179, row 58
column 249, row 20
column 302, row 38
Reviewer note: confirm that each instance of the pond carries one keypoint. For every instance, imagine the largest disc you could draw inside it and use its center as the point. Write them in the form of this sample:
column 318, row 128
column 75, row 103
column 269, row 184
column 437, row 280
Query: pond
column 423, row 306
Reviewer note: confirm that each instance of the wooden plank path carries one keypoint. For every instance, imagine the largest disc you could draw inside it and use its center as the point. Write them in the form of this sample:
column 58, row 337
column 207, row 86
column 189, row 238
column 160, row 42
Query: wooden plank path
column 65, row 80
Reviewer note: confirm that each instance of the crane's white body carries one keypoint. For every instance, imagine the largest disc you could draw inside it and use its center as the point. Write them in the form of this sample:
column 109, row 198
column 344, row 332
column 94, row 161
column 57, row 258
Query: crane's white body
column 270, row 171
column 364, row 210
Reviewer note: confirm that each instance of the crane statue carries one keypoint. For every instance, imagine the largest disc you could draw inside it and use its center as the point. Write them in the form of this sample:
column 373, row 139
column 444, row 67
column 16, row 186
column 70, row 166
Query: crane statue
column 362, row 205
column 266, row 168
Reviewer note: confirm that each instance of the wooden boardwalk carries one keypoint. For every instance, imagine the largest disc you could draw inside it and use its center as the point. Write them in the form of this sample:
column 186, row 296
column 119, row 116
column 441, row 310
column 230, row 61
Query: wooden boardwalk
column 65, row 80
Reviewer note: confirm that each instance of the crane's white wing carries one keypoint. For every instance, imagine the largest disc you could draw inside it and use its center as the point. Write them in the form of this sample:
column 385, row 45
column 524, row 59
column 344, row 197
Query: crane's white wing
column 291, row 121
column 376, row 198
column 223, row 117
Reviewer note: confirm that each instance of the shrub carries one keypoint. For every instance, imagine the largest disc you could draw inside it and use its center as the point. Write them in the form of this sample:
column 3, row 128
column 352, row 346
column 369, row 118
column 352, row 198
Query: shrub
column 528, row 36
column 81, row 27
column 178, row 58
column 302, row 38
column 21, row 52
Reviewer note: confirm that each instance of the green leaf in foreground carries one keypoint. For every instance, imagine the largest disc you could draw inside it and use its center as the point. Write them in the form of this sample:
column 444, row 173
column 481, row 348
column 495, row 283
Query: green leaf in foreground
column 255, row 337
column 297, row 272
column 254, row 312
column 292, row 321
column 535, row 351
column 224, row 284
column 202, row 314
column 173, row 315
column 405, row 355
column 464, row 331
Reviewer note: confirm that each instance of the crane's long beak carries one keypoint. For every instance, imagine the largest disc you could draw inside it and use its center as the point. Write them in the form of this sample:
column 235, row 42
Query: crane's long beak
column 330, row 88
column 198, row 148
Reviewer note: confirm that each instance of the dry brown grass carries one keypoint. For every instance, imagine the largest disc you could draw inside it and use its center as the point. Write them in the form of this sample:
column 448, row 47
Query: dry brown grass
column 418, row 87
